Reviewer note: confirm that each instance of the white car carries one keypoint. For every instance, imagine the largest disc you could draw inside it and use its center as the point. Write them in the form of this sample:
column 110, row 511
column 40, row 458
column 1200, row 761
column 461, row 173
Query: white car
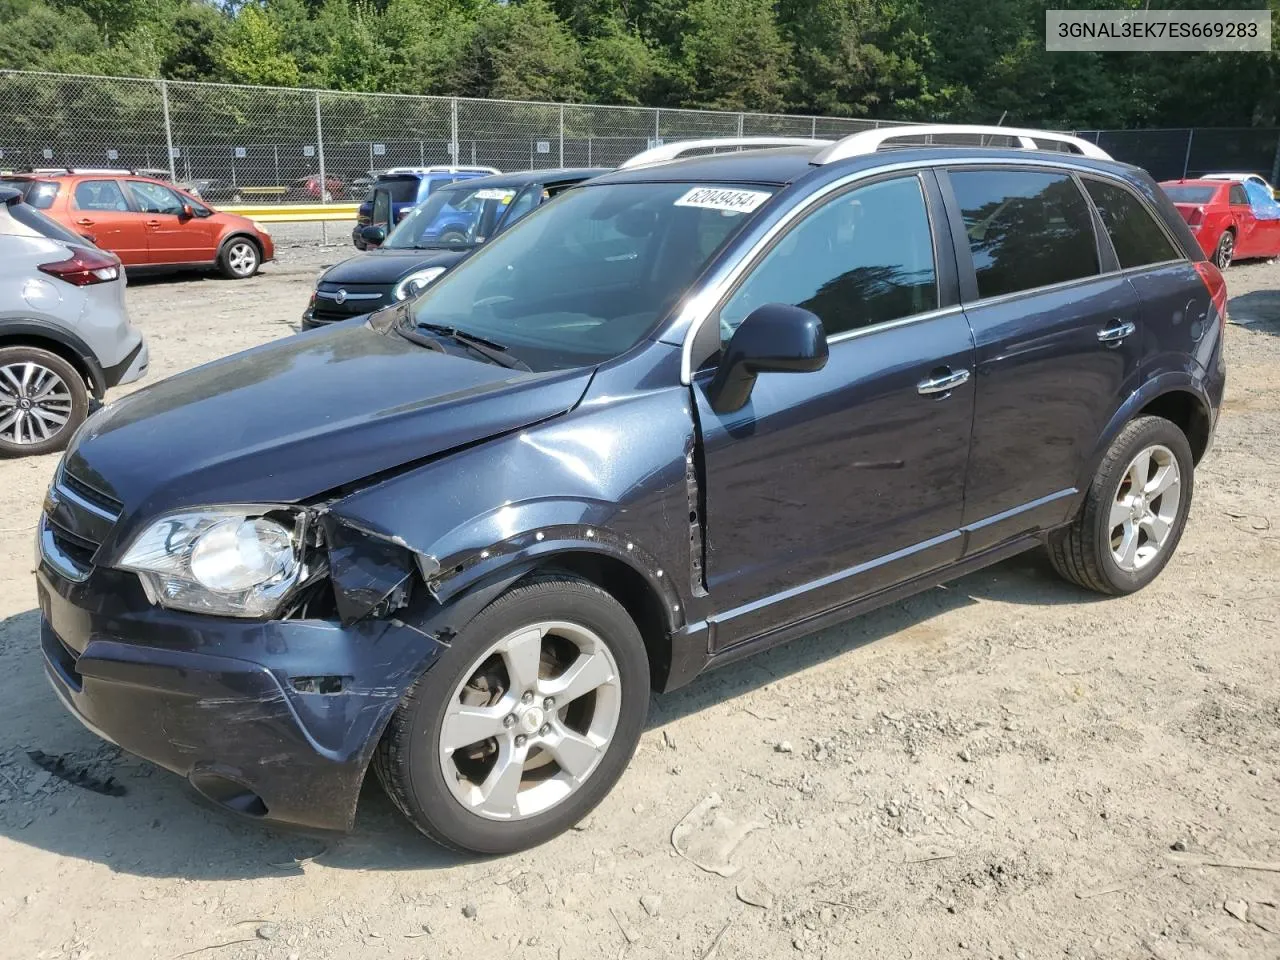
column 1243, row 177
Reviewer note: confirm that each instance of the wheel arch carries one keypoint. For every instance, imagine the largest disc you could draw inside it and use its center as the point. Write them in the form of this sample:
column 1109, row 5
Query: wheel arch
column 1189, row 413
column 65, row 344
column 235, row 235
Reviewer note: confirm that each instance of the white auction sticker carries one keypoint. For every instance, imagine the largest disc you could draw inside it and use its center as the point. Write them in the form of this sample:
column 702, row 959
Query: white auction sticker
column 720, row 198
column 494, row 193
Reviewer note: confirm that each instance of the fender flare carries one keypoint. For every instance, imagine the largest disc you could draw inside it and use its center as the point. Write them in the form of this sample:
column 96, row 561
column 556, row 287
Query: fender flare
column 30, row 328
column 1179, row 381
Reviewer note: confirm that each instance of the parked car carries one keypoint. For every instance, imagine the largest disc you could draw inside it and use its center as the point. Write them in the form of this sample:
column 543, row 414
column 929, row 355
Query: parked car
column 307, row 190
column 65, row 338
column 150, row 226
column 436, row 235
column 212, row 190
column 409, row 186
column 1245, row 178
column 693, row 408
column 1227, row 224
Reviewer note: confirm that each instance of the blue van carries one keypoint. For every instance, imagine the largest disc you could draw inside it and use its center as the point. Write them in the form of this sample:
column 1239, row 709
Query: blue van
column 409, row 186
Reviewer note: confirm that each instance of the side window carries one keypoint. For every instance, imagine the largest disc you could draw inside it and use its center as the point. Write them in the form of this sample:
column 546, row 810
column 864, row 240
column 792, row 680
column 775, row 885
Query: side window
column 100, row 195
column 1025, row 229
column 1138, row 240
column 1238, row 197
column 862, row 258
column 523, row 204
column 153, row 198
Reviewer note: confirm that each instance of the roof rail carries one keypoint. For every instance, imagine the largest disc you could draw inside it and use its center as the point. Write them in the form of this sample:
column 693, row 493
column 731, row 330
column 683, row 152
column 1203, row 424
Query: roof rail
column 670, row 151
column 442, row 168
column 868, row 141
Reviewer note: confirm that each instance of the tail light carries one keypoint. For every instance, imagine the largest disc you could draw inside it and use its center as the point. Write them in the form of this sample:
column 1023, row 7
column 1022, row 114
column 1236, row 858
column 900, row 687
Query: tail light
column 1217, row 287
column 1196, row 217
column 84, row 267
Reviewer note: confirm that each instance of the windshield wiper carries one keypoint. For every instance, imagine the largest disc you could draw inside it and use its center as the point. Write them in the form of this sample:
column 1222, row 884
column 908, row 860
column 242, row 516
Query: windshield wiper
column 486, row 348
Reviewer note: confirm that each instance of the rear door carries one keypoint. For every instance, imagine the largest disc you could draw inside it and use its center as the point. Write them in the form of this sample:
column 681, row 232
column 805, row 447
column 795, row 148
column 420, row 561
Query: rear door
column 1250, row 242
column 831, row 485
column 1056, row 328
column 101, row 213
column 1174, row 300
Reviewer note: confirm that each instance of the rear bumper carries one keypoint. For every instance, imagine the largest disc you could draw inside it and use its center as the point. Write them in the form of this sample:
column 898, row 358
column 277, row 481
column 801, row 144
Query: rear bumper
column 132, row 367
column 233, row 706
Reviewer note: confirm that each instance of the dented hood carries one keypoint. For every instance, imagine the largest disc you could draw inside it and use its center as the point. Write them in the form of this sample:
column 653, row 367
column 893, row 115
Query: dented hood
column 302, row 416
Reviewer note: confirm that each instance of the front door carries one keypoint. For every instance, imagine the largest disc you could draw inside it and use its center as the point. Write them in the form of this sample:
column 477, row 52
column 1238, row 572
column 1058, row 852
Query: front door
column 100, row 213
column 831, row 485
column 172, row 237
column 1058, row 338
column 1250, row 241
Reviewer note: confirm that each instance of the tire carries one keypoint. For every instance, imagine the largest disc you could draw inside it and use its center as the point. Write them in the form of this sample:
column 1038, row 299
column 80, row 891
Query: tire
column 37, row 390
column 453, row 236
column 1225, row 250
column 1095, row 551
column 413, row 763
column 239, row 258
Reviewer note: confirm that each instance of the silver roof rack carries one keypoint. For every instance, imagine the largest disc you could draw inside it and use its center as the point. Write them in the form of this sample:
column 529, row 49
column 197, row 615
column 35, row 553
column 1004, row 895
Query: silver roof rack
column 870, row 140
column 670, row 151
column 442, row 168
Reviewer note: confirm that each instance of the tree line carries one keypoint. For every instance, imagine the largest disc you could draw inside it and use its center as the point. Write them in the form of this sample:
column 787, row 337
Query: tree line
column 942, row 60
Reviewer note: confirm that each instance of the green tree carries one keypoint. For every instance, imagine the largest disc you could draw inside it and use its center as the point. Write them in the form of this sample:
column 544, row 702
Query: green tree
column 521, row 52
column 735, row 56
column 253, row 50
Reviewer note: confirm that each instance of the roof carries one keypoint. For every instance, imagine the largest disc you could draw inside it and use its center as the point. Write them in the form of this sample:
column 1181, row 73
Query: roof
column 1214, row 182
column 523, row 178
column 1231, row 176
column 782, row 166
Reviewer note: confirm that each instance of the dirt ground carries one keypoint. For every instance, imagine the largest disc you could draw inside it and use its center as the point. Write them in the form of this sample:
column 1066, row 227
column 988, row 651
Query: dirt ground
column 1003, row 768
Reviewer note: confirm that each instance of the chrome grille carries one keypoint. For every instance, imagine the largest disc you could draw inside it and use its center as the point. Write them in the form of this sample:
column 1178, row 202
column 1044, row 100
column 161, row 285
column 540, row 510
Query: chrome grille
column 77, row 519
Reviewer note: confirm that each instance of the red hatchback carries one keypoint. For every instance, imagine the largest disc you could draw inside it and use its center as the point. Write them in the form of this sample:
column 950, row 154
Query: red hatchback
column 148, row 224
column 1225, row 222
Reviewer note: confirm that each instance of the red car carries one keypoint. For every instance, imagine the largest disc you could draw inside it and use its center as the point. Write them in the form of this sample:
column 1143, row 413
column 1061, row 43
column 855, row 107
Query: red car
column 1228, row 224
column 149, row 225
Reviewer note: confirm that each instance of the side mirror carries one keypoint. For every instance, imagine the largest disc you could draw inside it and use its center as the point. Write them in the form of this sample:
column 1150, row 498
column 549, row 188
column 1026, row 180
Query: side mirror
column 373, row 234
column 188, row 211
column 774, row 338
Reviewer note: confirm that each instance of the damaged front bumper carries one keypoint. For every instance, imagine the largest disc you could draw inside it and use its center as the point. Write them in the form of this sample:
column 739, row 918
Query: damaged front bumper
column 276, row 719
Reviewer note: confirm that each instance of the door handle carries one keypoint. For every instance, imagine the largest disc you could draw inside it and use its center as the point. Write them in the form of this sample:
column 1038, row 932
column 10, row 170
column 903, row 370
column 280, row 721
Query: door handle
column 153, row 223
column 85, row 222
column 942, row 384
column 1117, row 333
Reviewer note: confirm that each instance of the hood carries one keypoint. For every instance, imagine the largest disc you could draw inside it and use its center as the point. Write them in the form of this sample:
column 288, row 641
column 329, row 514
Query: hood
column 301, row 416
column 388, row 266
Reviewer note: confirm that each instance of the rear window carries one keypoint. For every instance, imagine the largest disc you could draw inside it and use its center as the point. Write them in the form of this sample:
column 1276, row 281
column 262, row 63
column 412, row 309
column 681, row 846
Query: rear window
column 402, row 189
column 1025, row 229
column 1138, row 239
column 1238, row 196
column 1184, row 194
column 38, row 193
column 28, row 216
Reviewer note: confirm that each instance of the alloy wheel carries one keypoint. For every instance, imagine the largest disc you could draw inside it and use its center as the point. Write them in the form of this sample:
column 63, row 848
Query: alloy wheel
column 242, row 258
column 531, row 721
column 1226, row 250
column 35, row 403
column 1145, row 507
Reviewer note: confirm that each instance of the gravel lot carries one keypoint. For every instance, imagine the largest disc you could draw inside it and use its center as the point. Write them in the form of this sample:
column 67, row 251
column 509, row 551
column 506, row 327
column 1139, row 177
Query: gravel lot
column 1002, row 768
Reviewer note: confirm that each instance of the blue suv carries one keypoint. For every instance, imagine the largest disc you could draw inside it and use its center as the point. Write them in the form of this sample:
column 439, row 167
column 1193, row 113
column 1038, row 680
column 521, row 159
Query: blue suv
column 689, row 410
column 408, row 187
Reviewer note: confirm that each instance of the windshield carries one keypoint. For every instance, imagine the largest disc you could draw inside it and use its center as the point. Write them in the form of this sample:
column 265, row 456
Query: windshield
column 456, row 216
column 585, row 278
column 1191, row 194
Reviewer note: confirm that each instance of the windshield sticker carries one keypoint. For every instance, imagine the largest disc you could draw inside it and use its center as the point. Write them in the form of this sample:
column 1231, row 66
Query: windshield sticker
column 493, row 193
column 718, row 198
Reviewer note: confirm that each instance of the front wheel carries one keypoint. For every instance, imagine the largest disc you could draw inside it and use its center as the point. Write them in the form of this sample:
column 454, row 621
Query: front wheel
column 1133, row 514
column 239, row 258
column 524, row 724
column 1225, row 250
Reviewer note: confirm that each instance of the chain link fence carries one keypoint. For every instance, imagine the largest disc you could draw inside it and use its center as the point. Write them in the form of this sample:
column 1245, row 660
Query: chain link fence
column 262, row 144
column 1193, row 152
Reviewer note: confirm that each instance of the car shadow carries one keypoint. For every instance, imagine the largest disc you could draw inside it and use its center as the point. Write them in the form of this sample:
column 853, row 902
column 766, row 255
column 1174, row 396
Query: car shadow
column 1257, row 310
column 160, row 828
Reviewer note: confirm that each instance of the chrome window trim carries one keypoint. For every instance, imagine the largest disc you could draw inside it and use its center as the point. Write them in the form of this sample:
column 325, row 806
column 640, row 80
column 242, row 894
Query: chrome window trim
column 704, row 304
column 892, row 324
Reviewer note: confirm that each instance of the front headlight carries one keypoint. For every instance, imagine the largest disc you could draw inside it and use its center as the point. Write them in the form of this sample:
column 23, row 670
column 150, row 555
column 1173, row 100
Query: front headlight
column 260, row 227
column 231, row 562
column 415, row 283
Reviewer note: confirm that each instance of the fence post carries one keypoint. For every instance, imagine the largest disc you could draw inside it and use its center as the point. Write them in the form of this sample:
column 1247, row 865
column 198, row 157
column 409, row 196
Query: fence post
column 324, row 182
column 168, row 129
column 1186, row 159
column 562, row 134
column 742, row 123
column 813, row 132
column 657, row 125
column 453, row 131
